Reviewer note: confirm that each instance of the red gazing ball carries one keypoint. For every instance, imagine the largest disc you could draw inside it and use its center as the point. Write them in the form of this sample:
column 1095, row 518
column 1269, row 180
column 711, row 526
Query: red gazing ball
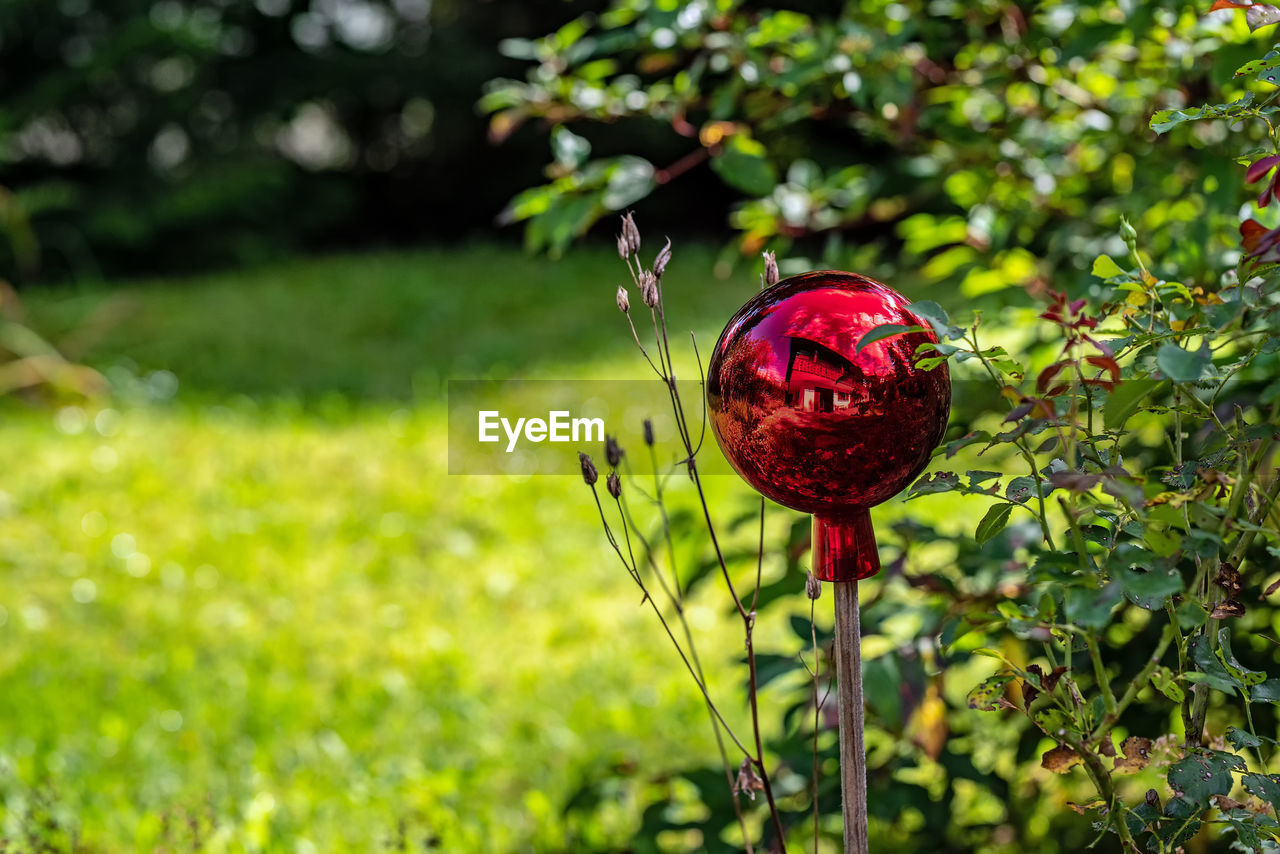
column 817, row 425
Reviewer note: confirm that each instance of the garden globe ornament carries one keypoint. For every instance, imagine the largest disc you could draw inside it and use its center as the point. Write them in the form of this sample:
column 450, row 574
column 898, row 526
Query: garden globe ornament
column 817, row 401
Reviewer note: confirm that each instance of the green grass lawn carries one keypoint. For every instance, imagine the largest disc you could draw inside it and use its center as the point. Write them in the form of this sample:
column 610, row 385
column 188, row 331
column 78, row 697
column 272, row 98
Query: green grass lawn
column 259, row 616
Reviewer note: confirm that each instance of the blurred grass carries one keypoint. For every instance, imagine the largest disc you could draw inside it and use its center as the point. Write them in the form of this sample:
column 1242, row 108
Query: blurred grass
column 260, row 617
column 381, row 326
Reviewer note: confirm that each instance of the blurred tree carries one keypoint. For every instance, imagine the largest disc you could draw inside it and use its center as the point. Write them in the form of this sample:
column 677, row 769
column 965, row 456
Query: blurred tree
column 146, row 135
column 989, row 144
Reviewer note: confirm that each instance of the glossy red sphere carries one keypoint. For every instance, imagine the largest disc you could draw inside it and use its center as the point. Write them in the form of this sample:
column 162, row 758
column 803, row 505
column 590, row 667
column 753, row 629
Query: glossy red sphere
column 814, row 423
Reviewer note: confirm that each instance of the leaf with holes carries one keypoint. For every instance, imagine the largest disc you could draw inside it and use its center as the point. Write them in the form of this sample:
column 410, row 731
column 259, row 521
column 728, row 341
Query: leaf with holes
column 989, row 695
column 1204, row 774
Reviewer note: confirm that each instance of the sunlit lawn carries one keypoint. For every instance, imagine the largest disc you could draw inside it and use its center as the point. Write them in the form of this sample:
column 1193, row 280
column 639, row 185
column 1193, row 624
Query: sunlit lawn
column 259, row 616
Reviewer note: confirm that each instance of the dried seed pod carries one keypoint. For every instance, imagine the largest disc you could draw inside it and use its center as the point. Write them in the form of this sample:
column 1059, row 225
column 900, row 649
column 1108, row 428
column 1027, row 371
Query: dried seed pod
column 649, row 288
column 664, row 258
column 614, row 484
column 770, row 269
column 589, row 474
column 624, row 304
column 812, row 586
column 648, row 432
column 624, row 250
column 748, row 781
column 612, row 451
column 631, row 233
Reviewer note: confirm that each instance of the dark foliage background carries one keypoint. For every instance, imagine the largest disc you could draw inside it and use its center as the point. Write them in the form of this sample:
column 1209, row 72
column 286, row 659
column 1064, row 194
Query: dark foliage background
column 147, row 136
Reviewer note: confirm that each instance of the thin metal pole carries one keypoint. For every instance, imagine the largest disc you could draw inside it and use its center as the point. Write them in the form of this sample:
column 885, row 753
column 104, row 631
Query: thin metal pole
column 853, row 755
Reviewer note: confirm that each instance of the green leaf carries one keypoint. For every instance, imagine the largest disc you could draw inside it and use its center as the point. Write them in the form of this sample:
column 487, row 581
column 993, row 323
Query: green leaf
column 882, row 679
column 1210, row 668
column 1241, row 740
column 1238, row 671
column 1105, row 268
column 1151, row 588
column 993, row 523
column 978, row 477
column 987, row 652
column 630, row 180
column 570, row 150
column 1256, row 67
column 1166, row 120
column 743, row 164
column 1022, row 489
column 1266, row 692
column 887, row 330
column 929, row 310
column 1164, row 542
column 1264, row 786
column 1124, row 400
column 1204, row 774
column 1163, row 681
column 1091, row 607
column 770, row 666
column 942, row 481
column 1182, row 365
column 1053, row 721
column 987, row 696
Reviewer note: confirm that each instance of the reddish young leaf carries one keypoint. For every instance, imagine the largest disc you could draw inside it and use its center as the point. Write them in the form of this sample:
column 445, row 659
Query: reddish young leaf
column 1047, row 375
column 1261, row 167
column 1107, row 363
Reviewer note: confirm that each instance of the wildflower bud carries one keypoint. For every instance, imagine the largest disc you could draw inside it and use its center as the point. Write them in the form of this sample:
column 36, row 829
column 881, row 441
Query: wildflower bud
column 748, row 782
column 614, row 484
column 649, row 288
column 612, row 452
column 770, row 269
column 1127, row 232
column 624, row 304
column 589, row 475
column 648, row 432
column 812, row 586
column 624, row 251
column 630, row 233
column 664, row 258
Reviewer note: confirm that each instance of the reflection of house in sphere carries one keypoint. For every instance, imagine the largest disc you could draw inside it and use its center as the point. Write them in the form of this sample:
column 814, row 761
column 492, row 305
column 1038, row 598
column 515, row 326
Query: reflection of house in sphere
column 821, row 380
column 819, row 424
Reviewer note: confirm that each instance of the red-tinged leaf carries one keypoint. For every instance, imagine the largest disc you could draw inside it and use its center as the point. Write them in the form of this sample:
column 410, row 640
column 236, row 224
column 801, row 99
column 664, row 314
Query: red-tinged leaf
column 1258, row 241
column 1227, row 4
column 1107, row 363
column 1074, row 481
column 1251, row 231
column 1019, row 411
column 1047, row 375
column 1261, row 167
column 1043, row 408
